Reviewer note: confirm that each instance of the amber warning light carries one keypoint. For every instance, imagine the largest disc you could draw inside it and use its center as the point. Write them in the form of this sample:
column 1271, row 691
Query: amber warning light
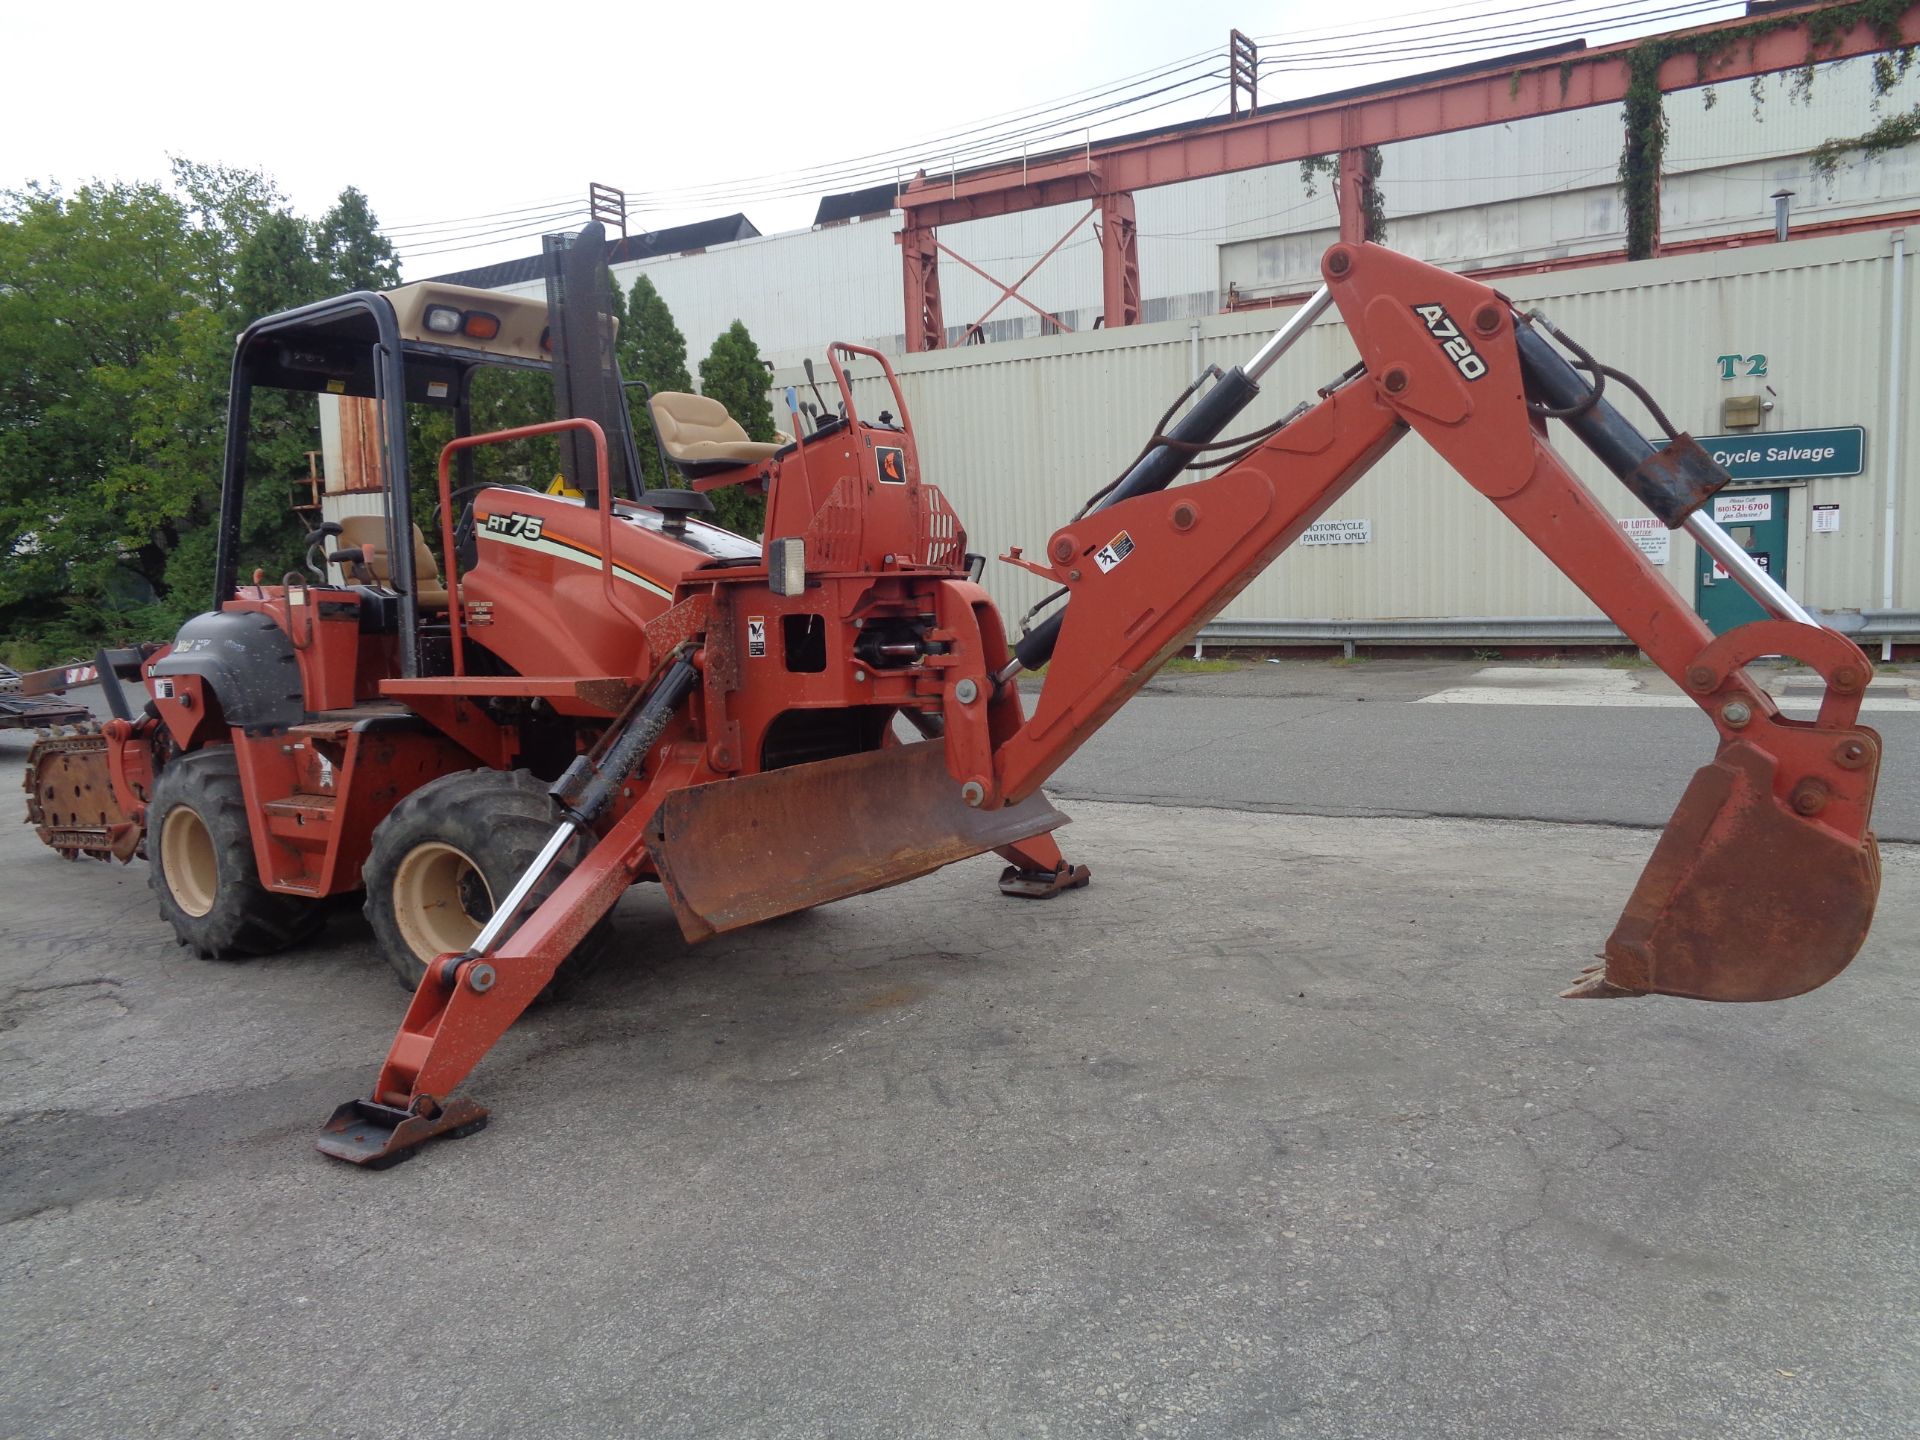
column 474, row 324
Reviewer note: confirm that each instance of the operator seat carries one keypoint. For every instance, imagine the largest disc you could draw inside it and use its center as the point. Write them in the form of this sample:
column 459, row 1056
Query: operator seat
column 700, row 437
column 368, row 534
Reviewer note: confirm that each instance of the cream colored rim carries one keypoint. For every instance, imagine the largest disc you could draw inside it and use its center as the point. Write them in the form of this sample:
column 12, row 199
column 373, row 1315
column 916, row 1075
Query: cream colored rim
column 431, row 891
column 187, row 861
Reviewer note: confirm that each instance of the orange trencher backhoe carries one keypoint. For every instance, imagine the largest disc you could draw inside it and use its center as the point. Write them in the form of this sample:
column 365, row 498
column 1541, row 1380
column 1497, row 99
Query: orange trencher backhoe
column 587, row 692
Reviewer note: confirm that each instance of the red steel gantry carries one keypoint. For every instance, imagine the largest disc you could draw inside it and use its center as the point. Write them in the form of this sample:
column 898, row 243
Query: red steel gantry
column 1105, row 174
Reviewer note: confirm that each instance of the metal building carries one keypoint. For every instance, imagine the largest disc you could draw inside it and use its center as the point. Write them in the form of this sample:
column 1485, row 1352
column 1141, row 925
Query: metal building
column 1790, row 353
column 1535, row 192
column 1810, row 338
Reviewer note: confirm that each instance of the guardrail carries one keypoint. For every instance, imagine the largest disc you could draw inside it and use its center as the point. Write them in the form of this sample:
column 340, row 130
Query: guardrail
column 1493, row 630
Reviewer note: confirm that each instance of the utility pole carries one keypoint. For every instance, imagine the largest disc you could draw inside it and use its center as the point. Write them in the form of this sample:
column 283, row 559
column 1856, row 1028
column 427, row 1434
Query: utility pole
column 608, row 206
column 1243, row 71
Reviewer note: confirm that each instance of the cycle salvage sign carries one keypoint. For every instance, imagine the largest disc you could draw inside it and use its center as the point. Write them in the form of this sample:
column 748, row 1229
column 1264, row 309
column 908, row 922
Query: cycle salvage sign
column 1787, row 454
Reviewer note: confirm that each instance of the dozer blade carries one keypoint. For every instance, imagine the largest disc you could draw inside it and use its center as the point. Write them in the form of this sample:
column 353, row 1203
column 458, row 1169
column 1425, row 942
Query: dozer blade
column 736, row 852
column 70, row 799
column 1743, row 899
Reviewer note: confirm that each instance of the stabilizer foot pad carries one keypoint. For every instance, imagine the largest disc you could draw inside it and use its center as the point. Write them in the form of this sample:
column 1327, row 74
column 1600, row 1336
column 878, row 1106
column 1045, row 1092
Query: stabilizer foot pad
column 1042, row 884
column 363, row 1132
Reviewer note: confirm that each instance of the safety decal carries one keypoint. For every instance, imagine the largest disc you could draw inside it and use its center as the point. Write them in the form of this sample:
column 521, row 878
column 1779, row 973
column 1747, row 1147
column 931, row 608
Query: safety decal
column 892, row 461
column 1113, row 552
column 756, row 637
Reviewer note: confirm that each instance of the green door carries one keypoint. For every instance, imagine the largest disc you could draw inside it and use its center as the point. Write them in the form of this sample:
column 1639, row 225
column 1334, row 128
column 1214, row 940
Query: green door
column 1757, row 521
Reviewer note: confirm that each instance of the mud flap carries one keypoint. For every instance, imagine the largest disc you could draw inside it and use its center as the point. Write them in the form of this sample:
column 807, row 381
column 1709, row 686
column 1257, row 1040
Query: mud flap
column 735, row 852
column 1743, row 899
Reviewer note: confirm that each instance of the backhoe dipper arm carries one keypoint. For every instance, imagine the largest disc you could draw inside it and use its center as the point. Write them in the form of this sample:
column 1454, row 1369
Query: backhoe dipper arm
column 1764, row 882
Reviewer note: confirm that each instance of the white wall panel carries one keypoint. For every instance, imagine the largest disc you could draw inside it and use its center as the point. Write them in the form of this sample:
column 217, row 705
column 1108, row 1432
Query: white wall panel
column 1018, row 434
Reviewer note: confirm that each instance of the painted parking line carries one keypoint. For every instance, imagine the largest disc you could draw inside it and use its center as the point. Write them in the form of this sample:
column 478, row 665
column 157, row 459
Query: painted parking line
column 1525, row 685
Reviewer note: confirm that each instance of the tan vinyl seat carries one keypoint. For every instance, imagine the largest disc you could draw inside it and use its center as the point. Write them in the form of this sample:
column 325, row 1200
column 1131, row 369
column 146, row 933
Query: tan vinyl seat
column 699, row 434
column 369, row 534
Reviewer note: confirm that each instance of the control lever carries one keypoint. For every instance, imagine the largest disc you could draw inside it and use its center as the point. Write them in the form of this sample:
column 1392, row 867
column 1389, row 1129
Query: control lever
column 814, row 385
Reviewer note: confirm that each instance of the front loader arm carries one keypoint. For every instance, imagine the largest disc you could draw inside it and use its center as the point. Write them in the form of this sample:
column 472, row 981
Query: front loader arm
column 1764, row 883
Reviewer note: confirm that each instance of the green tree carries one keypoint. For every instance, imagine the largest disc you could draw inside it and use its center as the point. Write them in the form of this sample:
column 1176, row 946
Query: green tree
column 734, row 374
column 652, row 349
column 352, row 249
column 119, row 304
column 276, row 269
column 223, row 206
column 111, row 395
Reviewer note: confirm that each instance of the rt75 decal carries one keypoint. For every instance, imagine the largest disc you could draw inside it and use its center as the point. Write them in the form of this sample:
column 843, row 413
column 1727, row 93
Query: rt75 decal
column 517, row 527
column 1457, row 347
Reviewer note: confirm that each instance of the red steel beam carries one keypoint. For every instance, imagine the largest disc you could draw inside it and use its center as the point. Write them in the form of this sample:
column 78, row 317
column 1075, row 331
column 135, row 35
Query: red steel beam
column 1012, row 292
column 1493, row 96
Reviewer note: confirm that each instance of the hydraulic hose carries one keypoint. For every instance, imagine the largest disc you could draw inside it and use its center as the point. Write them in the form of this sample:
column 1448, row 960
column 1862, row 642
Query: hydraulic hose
column 1155, row 470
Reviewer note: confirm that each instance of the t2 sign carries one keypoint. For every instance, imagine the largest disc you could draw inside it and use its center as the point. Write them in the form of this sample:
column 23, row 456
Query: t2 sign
column 1737, row 367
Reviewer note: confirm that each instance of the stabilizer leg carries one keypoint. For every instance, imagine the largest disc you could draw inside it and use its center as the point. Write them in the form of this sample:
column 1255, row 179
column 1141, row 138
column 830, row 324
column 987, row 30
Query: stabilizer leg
column 1036, row 869
column 466, row 1002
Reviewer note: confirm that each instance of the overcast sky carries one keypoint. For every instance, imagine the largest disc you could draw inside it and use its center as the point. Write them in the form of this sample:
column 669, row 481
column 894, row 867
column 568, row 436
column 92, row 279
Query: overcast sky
column 444, row 112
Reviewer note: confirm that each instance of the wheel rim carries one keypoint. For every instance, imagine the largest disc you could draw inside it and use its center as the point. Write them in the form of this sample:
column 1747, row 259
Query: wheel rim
column 187, row 861
column 440, row 900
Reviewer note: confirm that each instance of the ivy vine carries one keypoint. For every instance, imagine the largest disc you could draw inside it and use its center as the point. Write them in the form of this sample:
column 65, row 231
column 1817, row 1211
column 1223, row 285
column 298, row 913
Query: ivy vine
column 1890, row 134
column 1372, row 204
column 1645, row 118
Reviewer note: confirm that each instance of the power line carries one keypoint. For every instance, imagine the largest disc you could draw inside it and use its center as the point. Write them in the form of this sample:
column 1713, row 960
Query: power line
column 1123, row 99
column 1500, row 35
column 560, row 213
column 886, row 161
column 1479, row 40
column 1336, row 33
column 463, row 219
column 1069, row 125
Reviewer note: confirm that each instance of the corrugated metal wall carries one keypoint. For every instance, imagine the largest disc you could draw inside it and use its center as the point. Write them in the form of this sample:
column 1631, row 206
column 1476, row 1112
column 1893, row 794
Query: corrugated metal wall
column 1018, row 434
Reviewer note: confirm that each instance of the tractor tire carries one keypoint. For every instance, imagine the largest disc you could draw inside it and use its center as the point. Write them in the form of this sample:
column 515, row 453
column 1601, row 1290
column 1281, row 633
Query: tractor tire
column 201, row 867
column 447, row 853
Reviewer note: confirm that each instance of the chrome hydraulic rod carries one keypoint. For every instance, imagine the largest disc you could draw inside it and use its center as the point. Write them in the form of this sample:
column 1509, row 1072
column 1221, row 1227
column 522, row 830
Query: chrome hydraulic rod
column 586, row 790
column 1283, row 339
column 1768, row 592
column 1553, row 381
column 504, row 912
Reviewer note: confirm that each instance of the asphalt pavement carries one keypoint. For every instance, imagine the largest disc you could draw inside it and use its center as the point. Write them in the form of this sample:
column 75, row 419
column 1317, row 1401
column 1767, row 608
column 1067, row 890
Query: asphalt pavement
column 1275, row 1130
column 1313, row 738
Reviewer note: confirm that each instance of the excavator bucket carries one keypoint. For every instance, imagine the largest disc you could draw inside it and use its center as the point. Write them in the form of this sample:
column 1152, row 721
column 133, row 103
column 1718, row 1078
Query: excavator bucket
column 739, row 851
column 1748, row 896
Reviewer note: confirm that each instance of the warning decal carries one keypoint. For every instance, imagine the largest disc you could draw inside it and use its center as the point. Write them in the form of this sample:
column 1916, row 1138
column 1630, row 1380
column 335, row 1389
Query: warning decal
column 1113, row 552
column 756, row 637
column 892, row 461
